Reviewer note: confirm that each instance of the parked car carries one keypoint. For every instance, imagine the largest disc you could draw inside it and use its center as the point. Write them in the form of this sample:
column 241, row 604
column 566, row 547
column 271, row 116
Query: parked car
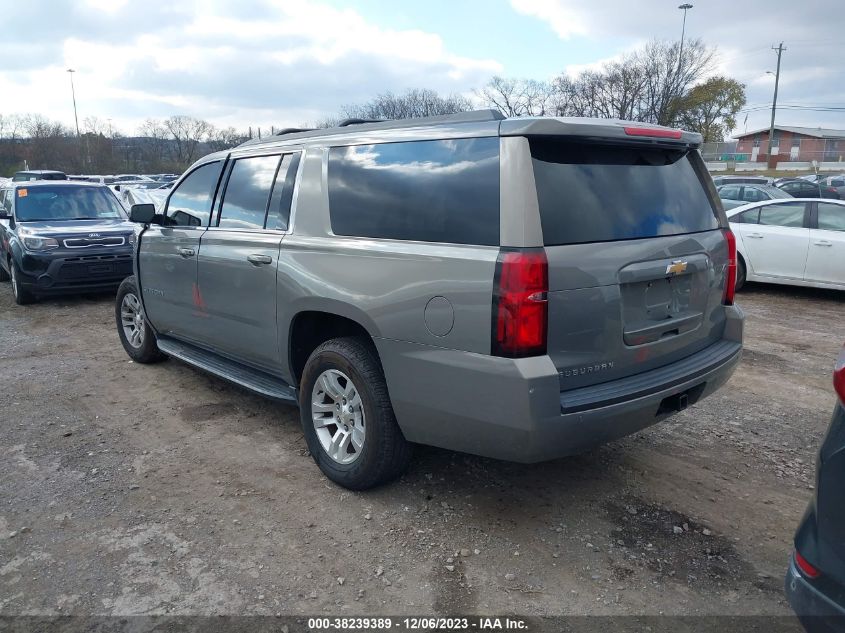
column 39, row 174
column 741, row 180
column 121, row 178
column 819, row 176
column 59, row 237
column 799, row 242
column 736, row 195
column 803, row 189
column 480, row 270
column 815, row 579
column 835, row 183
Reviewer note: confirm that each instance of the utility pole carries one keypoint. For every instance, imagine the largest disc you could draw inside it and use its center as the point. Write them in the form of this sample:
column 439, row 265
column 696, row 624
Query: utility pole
column 779, row 51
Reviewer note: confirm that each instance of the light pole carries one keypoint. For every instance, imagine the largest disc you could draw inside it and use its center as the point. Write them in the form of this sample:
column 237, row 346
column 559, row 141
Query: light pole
column 779, row 50
column 73, row 94
column 686, row 6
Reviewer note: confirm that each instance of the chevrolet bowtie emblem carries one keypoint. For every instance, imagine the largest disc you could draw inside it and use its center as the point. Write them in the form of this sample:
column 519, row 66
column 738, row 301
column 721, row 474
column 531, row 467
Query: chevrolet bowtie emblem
column 676, row 267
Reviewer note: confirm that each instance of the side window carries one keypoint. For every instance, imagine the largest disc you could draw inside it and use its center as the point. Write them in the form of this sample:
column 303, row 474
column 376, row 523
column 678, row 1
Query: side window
column 190, row 202
column 788, row 214
column 729, row 192
column 247, row 192
column 750, row 194
column 278, row 213
column 831, row 217
column 429, row 191
column 837, row 182
column 789, row 187
column 748, row 217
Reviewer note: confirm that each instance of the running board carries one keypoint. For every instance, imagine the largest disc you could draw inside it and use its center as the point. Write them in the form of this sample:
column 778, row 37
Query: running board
column 233, row 371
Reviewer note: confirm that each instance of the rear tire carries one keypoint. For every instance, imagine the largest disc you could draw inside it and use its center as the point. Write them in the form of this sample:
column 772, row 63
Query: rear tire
column 136, row 335
column 22, row 297
column 347, row 417
column 740, row 273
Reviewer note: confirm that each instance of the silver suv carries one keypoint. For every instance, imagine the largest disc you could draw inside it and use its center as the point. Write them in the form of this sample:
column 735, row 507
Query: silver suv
column 522, row 289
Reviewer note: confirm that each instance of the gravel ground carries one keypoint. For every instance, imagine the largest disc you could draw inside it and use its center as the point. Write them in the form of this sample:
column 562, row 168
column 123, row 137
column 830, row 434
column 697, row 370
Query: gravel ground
column 129, row 489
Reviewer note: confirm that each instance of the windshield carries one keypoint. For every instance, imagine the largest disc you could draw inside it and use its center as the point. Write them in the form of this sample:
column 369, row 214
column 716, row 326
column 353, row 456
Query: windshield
column 34, row 204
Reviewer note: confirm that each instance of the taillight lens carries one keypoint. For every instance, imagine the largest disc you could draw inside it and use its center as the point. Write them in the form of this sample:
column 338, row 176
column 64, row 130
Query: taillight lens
column 520, row 304
column 806, row 568
column 730, row 281
column 839, row 377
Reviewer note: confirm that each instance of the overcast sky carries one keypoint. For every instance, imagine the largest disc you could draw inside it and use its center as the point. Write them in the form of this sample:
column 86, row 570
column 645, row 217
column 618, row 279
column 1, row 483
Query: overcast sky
column 289, row 62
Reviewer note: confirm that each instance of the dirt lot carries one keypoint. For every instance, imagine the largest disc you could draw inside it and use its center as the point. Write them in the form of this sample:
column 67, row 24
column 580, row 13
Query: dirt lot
column 129, row 489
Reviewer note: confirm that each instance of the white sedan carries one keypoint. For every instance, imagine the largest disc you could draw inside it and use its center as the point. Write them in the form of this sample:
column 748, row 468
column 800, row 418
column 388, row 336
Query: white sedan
column 800, row 242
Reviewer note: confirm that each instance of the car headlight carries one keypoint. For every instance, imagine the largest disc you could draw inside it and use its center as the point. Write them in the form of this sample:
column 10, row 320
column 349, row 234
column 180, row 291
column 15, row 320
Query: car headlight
column 133, row 237
column 35, row 243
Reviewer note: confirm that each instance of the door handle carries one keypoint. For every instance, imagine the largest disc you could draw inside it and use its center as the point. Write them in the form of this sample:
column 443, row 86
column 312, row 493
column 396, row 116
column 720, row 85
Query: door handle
column 259, row 260
column 756, row 236
column 823, row 243
column 187, row 252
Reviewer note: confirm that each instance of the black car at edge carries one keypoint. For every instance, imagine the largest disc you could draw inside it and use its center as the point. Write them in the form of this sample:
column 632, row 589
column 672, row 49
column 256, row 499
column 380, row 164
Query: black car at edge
column 815, row 581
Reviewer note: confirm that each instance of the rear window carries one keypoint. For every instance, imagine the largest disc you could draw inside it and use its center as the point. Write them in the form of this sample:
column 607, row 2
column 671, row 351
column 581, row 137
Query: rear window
column 595, row 193
column 428, row 191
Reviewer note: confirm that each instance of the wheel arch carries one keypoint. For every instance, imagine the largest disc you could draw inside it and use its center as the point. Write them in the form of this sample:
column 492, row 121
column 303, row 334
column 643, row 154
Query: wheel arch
column 309, row 328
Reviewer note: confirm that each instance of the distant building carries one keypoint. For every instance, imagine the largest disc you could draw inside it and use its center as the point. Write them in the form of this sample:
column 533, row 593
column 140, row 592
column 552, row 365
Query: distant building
column 792, row 143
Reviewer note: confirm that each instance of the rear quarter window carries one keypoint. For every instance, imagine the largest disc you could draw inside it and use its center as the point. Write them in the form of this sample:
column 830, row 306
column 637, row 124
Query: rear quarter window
column 428, row 191
column 596, row 193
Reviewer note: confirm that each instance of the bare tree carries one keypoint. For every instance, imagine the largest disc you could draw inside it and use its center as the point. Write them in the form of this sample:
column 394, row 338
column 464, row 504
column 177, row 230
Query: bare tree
column 187, row 133
column 518, row 97
column 416, row 102
column 224, row 138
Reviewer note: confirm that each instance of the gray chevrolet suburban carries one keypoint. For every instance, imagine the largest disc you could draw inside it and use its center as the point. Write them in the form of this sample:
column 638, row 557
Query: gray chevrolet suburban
column 522, row 289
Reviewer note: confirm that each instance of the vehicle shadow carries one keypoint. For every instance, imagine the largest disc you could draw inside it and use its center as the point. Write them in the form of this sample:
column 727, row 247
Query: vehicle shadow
column 756, row 289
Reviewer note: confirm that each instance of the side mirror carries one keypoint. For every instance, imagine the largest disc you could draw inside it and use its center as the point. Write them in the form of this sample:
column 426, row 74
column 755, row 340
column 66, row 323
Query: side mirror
column 4, row 215
column 117, row 187
column 142, row 213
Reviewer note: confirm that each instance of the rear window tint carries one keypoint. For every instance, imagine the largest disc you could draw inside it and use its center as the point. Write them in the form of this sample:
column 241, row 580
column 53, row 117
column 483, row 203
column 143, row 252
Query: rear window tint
column 594, row 193
column 428, row 191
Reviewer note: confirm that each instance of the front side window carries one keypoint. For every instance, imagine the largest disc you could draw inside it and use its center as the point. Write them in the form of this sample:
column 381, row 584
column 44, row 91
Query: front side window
column 429, row 191
column 748, row 217
column 786, row 214
column 190, row 202
column 831, row 217
column 247, row 192
column 66, row 202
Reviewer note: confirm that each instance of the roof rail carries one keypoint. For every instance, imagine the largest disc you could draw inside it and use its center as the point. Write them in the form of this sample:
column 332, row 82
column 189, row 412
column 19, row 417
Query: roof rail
column 474, row 116
column 293, row 130
column 356, row 121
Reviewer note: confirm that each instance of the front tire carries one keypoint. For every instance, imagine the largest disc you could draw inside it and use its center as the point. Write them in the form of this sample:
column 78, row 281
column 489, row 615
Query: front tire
column 22, row 297
column 136, row 335
column 347, row 417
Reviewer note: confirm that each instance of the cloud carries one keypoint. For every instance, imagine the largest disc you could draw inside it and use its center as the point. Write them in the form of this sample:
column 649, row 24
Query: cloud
column 261, row 62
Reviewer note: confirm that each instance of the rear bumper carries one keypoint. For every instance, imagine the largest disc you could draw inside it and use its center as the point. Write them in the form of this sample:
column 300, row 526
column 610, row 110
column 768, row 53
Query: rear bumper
column 513, row 409
column 63, row 273
column 816, row 610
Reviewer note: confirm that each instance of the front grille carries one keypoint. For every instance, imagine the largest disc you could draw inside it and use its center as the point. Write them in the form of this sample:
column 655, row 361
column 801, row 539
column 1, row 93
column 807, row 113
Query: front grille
column 85, row 242
column 95, row 267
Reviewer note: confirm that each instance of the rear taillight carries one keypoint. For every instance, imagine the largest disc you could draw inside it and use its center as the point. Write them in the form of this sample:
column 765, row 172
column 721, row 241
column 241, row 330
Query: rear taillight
column 520, row 304
column 839, row 377
column 730, row 281
column 806, row 568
